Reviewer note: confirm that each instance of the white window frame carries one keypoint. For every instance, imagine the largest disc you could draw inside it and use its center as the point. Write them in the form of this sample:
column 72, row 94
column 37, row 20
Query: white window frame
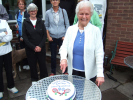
column 43, row 11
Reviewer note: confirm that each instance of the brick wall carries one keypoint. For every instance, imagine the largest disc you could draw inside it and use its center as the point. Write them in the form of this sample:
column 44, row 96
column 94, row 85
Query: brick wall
column 119, row 23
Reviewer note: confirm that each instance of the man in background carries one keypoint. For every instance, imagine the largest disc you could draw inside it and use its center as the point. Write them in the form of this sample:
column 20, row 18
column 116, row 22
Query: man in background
column 100, row 7
column 69, row 6
column 3, row 13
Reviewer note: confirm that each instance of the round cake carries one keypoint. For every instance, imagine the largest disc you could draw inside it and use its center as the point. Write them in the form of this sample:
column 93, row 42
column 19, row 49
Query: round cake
column 61, row 90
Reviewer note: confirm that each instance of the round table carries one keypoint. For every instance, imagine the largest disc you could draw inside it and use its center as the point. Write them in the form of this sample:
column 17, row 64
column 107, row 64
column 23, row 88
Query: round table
column 129, row 61
column 85, row 89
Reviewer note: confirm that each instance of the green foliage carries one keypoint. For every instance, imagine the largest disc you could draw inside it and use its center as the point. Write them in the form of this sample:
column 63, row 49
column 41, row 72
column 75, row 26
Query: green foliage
column 46, row 39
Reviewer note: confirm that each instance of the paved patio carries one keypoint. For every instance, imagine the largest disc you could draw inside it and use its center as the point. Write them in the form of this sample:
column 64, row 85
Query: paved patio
column 111, row 90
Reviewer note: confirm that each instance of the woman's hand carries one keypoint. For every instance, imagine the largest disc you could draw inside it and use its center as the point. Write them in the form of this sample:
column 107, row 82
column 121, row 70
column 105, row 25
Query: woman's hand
column 50, row 39
column 6, row 33
column 16, row 25
column 99, row 81
column 63, row 65
column 63, row 38
column 21, row 39
column 37, row 49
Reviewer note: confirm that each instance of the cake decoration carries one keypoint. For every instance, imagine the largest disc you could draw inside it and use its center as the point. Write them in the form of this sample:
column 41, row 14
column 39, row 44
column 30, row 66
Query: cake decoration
column 61, row 90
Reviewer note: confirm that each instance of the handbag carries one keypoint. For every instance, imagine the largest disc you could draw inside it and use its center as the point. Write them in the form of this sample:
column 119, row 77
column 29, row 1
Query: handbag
column 63, row 18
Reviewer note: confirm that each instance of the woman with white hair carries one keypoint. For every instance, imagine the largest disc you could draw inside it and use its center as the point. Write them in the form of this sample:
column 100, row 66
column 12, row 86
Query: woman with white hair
column 95, row 20
column 34, row 35
column 83, row 46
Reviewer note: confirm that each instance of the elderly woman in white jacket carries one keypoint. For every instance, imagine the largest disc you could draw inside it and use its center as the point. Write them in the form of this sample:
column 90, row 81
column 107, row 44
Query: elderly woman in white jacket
column 5, row 57
column 83, row 46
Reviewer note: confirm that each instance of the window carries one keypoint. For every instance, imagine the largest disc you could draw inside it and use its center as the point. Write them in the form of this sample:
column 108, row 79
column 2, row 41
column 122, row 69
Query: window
column 48, row 4
column 12, row 8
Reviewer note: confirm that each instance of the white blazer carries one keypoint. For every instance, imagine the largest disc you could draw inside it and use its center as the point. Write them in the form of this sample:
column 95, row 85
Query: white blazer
column 93, row 50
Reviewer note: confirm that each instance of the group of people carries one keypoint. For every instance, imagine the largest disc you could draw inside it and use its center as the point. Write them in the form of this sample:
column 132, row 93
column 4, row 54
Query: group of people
column 81, row 46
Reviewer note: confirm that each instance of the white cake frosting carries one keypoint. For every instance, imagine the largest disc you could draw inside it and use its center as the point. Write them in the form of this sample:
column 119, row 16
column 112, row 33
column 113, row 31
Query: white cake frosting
column 61, row 90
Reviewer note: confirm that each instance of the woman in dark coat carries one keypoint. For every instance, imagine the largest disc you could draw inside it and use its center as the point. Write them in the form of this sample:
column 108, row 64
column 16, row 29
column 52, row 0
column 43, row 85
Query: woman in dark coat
column 34, row 35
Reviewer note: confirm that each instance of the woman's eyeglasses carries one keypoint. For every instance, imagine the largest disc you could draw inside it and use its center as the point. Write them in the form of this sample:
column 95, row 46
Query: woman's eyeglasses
column 33, row 11
column 21, row 4
column 55, row 0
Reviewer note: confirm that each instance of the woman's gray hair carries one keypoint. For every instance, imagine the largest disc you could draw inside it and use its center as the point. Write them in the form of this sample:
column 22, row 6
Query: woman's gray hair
column 84, row 3
column 32, row 7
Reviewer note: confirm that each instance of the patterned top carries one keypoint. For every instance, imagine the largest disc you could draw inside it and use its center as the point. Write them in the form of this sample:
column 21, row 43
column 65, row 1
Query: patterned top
column 56, row 16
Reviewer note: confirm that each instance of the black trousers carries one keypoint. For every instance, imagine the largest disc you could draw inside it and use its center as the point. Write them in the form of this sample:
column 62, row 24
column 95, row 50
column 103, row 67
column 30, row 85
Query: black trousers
column 82, row 74
column 33, row 58
column 6, row 61
column 53, row 49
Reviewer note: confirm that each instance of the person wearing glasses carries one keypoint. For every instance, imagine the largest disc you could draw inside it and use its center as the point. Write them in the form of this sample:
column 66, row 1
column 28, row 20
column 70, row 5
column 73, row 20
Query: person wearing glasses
column 56, row 22
column 34, row 35
column 20, row 16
